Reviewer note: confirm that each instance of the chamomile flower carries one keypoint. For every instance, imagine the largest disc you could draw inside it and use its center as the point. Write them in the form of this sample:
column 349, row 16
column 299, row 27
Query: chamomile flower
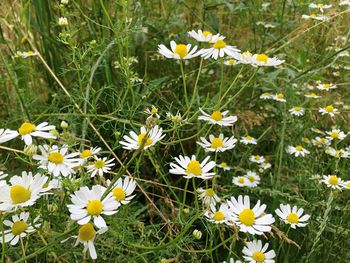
column 100, row 166
column 346, row 2
column 326, row 87
column 297, row 111
column 243, row 58
column 203, row 36
column 122, row 189
column 264, row 60
column 146, row 138
column 219, row 49
column 253, row 221
column 321, row 141
column 25, row 54
column 22, row 191
column 27, row 130
column 248, row 140
column 63, row 21
column 20, row 228
column 7, row 135
column 253, row 179
column 297, row 150
column 335, row 134
column 153, row 111
column 257, row 159
column 255, row 252
column 265, row 166
column 330, row 110
column 320, row 7
column 231, row 62
column 332, row 181
column 190, row 167
column 224, row 166
column 220, row 216
column 218, row 117
column 56, row 160
column 346, row 185
column 315, row 17
column 312, row 95
column 208, row 196
column 90, row 153
column 217, row 144
column 178, row 51
column 292, row 216
column 279, row 97
column 266, row 96
column 88, row 205
column 240, row 181
column 340, row 153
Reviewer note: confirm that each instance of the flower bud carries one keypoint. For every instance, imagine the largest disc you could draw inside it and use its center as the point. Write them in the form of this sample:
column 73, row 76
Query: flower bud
column 30, row 150
column 197, row 234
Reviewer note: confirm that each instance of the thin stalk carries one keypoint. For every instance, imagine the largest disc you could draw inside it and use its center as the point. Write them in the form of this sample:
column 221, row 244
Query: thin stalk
column 184, row 82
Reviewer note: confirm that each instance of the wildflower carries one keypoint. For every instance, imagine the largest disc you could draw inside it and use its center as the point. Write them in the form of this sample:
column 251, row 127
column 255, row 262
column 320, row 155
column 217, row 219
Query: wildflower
column 88, row 204
column 266, row 96
column 292, row 216
column 20, row 228
column 177, row 118
column 146, row 138
column 297, row 150
column 153, row 112
column 265, row 166
column 218, row 117
column 332, row 181
column 203, row 36
column 224, row 166
column 243, row 58
column 346, row 185
column 321, row 141
column 197, row 234
column 326, row 87
column 321, row 7
column 346, row 2
column 7, row 135
column 297, row 111
column 253, row 179
column 25, row 54
column 63, row 21
column 23, row 191
column 57, row 161
column 240, row 181
column 264, row 60
column 335, row 134
column 330, row 110
column 312, row 95
column 64, row 125
column 253, row 221
column 192, row 168
column 255, row 252
column 220, row 216
column 217, row 144
column 27, row 130
column 64, row 2
column 100, row 166
column 248, row 140
column 122, row 189
column 208, row 196
column 315, row 17
column 257, row 159
column 219, row 49
column 279, row 97
column 178, row 51
column 341, row 153
column 231, row 62
column 89, row 153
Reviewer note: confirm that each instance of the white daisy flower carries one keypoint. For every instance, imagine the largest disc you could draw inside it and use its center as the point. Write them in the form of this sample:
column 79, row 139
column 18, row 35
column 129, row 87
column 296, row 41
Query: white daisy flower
column 240, row 181
column 7, row 135
column 315, row 17
column 178, row 51
column 346, row 185
column 279, row 97
column 297, row 111
column 122, row 189
column 57, row 161
column 146, row 138
column 217, row 144
column 264, row 60
column 220, row 216
column 312, row 95
column 321, row 142
column 248, row 140
column 292, row 216
column 203, row 36
column 257, row 159
column 25, row 54
column 153, row 111
column 88, row 205
column 63, row 21
column 265, row 165
column 208, row 196
column 253, row 179
column 320, row 7
column 341, row 153
column 346, row 2
column 89, row 153
column 332, row 181
column 255, row 252
column 224, row 166
column 326, row 87
column 253, row 221
column 22, row 191
column 243, row 58
column 297, row 150
column 20, row 228
column 335, row 134
column 266, row 96
column 218, row 117
column 231, row 62
column 27, row 130
column 192, row 168
column 219, row 49
column 330, row 110
column 100, row 166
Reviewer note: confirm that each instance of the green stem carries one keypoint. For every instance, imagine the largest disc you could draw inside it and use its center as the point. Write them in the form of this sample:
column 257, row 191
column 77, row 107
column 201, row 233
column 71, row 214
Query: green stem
column 184, row 82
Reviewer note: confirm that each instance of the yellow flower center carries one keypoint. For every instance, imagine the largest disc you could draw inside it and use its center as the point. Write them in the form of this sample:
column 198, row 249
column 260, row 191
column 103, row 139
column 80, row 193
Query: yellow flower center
column 85, row 154
column 262, row 58
column 280, row 96
column 232, row 62
column 217, row 143
column 313, row 15
column 257, row 157
column 26, row 128
column 312, row 94
column 335, row 135
column 251, row 178
column 219, row 216
column 19, row 227
column 216, row 116
column 154, row 110
column 206, row 33
column 119, row 194
column 219, row 44
column 181, row 50
column 329, row 108
column 241, row 180
column 293, row 218
column 320, row 5
column 299, row 148
column 209, row 192
column 223, row 164
column 19, row 194
column 323, row 140
column 94, row 207
column 247, row 217
column 99, row 164
column 246, row 54
column 194, row 167
column 248, row 138
column 348, row 184
column 56, row 158
column 141, row 139
column 297, row 108
column 333, row 180
column 87, row 232
column 326, row 86
column 258, row 256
